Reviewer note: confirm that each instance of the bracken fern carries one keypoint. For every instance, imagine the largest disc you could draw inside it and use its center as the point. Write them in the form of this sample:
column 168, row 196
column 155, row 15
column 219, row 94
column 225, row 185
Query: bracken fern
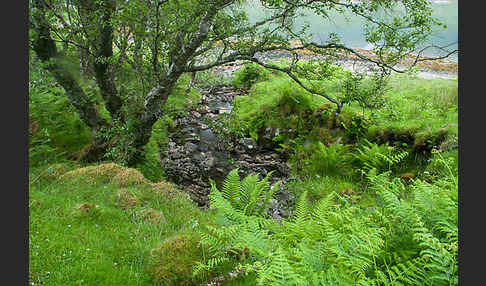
column 403, row 240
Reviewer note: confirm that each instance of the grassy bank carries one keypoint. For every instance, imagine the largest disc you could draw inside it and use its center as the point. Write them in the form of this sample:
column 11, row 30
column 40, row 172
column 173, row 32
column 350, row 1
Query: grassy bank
column 97, row 225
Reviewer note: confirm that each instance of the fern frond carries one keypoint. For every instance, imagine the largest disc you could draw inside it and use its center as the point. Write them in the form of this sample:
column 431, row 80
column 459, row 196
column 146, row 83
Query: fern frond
column 277, row 271
column 247, row 186
column 302, row 207
column 231, row 188
column 255, row 189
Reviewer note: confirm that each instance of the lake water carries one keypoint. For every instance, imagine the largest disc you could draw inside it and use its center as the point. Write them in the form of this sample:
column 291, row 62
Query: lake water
column 351, row 30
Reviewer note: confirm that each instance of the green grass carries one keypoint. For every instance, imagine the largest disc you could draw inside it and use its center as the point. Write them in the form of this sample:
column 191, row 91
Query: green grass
column 424, row 104
column 278, row 91
column 108, row 245
column 420, row 104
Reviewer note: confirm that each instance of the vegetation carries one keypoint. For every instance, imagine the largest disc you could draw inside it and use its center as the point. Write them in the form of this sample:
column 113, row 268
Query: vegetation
column 132, row 54
column 402, row 240
column 378, row 212
column 374, row 157
column 98, row 224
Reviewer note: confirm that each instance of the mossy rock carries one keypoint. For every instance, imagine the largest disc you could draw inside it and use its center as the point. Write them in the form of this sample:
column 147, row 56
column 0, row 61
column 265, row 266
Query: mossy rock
column 91, row 174
column 172, row 261
column 126, row 199
column 129, row 177
column 107, row 173
column 393, row 135
column 425, row 142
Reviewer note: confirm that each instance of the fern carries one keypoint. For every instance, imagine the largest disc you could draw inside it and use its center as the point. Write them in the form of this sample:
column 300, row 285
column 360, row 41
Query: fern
column 278, row 271
column 381, row 157
column 401, row 241
column 239, row 203
column 231, row 188
column 438, row 255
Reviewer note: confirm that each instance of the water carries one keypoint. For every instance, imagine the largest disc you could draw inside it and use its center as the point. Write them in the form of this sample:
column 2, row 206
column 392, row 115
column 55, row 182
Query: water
column 351, row 30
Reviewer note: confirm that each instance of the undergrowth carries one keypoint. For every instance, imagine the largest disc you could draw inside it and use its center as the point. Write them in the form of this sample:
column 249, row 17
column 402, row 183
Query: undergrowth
column 408, row 238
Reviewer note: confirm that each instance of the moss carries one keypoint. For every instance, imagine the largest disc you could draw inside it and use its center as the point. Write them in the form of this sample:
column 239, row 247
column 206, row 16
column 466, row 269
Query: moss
column 126, row 199
column 426, row 141
column 172, row 262
column 107, row 173
column 54, row 171
column 392, row 135
column 128, row 177
column 91, row 174
column 249, row 74
column 167, row 189
column 152, row 216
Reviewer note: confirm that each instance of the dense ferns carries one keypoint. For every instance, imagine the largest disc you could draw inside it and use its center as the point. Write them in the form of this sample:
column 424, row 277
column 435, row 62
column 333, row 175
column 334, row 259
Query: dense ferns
column 408, row 238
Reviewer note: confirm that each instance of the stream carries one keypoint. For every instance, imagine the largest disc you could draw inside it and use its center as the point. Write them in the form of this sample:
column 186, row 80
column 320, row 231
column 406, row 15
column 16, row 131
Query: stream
column 200, row 147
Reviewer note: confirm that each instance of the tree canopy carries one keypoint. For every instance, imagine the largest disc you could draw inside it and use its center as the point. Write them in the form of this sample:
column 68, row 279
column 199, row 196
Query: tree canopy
column 136, row 50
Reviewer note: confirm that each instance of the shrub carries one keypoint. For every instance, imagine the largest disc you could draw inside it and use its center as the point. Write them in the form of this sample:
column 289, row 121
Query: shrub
column 249, row 74
column 318, row 160
column 329, row 160
column 209, row 78
column 319, row 187
column 55, row 127
column 441, row 165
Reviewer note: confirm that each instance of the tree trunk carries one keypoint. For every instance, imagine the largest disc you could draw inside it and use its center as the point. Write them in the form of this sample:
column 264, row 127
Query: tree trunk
column 45, row 48
column 156, row 98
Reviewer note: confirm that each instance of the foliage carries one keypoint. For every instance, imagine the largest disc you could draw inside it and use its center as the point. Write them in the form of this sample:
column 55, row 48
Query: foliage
column 380, row 157
column 134, row 52
column 209, row 78
column 239, row 202
column 441, row 165
column 332, row 160
column 106, row 220
column 55, row 130
column 249, row 74
column 409, row 238
column 367, row 92
column 318, row 186
column 417, row 106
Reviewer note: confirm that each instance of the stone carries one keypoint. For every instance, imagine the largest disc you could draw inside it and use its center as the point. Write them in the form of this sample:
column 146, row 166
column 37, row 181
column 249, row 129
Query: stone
column 214, row 156
column 224, row 110
column 249, row 143
column 191, row 147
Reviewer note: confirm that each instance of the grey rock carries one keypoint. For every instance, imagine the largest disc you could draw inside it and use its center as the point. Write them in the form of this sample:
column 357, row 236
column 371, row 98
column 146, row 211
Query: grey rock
column 191, row 147
column 211, row 154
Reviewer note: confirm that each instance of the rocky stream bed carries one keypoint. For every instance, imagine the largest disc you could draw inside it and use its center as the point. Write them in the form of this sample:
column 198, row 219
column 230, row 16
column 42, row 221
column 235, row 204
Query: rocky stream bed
column 199, row 149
